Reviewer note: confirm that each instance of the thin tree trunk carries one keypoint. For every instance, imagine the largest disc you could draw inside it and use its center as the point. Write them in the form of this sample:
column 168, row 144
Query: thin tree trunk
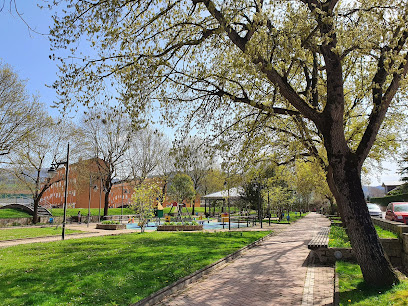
column 106, row 206
column 333, row 189
column 35, row 214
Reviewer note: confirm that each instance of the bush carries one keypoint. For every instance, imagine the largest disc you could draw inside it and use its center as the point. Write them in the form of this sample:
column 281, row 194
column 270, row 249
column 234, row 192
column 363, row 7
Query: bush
column 110, row 222
column 388, row 199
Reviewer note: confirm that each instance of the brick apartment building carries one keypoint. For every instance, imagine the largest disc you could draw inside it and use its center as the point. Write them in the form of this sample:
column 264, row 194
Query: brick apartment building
column 85, row 185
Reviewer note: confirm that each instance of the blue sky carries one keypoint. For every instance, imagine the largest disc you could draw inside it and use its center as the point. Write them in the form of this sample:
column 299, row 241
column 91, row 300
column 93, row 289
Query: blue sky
column 27, row 52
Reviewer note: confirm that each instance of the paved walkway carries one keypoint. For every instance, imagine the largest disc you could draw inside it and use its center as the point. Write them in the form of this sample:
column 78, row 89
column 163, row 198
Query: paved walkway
column 277, row 272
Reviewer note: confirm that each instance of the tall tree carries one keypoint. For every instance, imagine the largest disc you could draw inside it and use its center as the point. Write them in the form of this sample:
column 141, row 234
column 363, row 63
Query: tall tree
column 108, row 135
column 182, row 188
column 213, row 181
column 322, row 72
column 309, row 181
column 18, row 110
column 148, row 148
column 403, row 163
column 33, row 156
column 192, row 159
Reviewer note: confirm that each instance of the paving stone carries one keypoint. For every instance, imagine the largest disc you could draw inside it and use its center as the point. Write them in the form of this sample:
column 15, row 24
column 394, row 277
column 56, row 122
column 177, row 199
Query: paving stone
column 274, row 273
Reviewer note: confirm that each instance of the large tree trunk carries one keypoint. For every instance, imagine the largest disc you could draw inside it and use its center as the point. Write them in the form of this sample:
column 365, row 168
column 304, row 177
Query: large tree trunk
column 375, row 266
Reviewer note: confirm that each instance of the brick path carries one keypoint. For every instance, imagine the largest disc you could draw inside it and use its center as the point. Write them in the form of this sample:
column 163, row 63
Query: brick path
column 277, row 272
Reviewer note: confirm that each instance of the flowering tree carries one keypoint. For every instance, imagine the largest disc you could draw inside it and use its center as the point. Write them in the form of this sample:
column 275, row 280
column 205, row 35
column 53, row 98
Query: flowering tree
column 143, row 200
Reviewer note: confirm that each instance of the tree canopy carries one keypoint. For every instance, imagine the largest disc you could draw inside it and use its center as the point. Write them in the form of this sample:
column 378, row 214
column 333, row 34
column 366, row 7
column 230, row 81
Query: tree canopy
column 18, row 111
column 182, row 188
column 319, row 76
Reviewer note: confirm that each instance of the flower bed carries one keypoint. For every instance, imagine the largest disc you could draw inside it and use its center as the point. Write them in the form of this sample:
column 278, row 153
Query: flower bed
column 111, row 226
column 180, row 227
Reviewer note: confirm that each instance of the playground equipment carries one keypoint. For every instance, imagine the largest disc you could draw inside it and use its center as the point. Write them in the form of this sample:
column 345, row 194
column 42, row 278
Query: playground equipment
column 224, row 218
column 180, row 207
column 159, row 211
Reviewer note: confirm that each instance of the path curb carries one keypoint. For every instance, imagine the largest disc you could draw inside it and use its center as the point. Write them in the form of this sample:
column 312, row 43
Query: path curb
column 336, row 294
column 185, row 281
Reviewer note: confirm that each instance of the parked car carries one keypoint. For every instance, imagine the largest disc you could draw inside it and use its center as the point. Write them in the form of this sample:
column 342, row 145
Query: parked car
column 397, row 211
column 374, row 210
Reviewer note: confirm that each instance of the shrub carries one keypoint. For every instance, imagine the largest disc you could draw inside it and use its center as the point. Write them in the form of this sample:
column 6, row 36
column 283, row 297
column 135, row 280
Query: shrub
column 110, row 222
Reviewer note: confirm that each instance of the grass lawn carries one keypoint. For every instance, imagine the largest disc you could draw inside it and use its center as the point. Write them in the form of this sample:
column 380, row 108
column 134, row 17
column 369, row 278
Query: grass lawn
column 31, row 232
column 59, row 212
column 110, row 270
column 339, row 239
column 353, row 290
column 7, row 213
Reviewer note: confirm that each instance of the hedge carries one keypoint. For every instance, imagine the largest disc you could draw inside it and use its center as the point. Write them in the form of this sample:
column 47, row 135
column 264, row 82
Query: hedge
column 388, row 199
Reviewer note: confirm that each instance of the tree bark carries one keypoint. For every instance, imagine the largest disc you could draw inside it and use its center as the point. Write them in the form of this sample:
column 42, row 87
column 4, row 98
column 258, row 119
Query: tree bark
column 375, row 266
column 35, row 214
column 106, row 206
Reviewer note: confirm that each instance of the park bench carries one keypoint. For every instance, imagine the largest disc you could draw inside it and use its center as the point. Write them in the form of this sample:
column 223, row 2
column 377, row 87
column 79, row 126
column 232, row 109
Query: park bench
column 320, row 240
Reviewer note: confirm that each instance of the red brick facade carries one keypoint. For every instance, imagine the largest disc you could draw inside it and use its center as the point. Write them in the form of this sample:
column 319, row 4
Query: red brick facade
column 84, row 178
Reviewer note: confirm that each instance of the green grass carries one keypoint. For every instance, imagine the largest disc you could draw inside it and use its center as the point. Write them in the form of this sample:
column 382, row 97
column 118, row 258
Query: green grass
column 59, row 212
column 31, row 232
column 7, row 213
column 382, row 233
column 353, row 290
column 339, row 239
column 110, row 270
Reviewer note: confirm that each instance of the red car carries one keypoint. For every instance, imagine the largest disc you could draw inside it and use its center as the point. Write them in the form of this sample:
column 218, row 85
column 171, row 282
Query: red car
column 397, row 211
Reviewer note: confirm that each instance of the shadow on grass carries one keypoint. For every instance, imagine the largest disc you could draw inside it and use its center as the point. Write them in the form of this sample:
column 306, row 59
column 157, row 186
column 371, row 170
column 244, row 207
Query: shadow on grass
column 361, row 293
column 353, row 289
column 108, row 270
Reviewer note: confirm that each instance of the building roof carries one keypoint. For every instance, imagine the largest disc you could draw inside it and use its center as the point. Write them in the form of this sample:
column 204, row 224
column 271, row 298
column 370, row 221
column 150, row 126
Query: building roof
column 234, row 194
column 392, row 183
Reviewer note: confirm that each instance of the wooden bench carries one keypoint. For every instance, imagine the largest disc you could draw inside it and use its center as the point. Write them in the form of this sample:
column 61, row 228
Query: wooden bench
column 320, row 240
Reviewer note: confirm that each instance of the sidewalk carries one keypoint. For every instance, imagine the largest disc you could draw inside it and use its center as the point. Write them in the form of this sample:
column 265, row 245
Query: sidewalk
column 277, row 272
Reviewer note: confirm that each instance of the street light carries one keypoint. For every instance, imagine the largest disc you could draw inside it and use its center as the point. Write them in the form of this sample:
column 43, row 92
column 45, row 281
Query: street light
column 94, row 188
column 228, row 204
column 51, row 173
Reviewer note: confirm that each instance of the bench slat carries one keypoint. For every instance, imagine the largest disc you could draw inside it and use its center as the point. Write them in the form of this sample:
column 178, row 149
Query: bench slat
column 320, row 240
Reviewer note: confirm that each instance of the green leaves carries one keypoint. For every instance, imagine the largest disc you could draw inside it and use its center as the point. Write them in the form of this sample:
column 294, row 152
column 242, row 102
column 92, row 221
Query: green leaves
column 181, row 188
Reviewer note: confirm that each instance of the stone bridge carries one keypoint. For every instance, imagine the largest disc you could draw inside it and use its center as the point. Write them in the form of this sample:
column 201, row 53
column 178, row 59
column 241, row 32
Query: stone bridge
column 29, row 208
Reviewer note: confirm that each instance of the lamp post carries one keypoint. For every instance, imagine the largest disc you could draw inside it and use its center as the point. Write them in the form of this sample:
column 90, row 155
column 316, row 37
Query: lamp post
column 121, row 208
column 51, row 174
column 91, row 188
column 226, row 185
column 259, row 187
column 100, row 199
column 89, row 200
